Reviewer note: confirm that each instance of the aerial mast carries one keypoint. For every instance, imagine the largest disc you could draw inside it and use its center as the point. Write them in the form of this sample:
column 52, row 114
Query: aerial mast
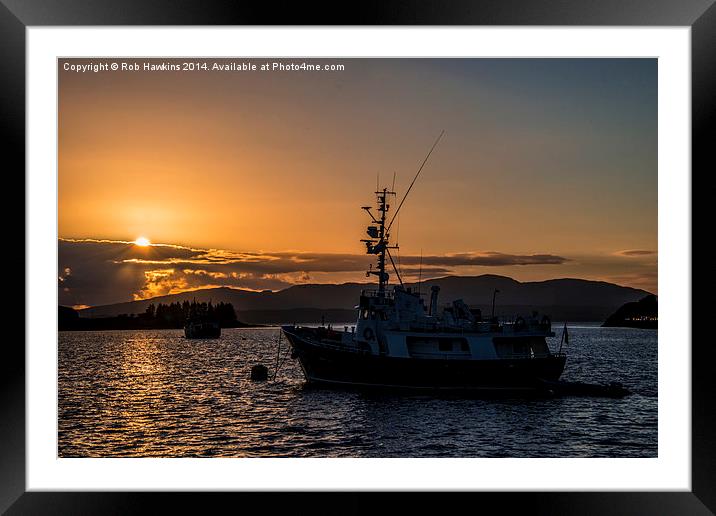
column 379, row 234
column 383, row 207
column 378, row 244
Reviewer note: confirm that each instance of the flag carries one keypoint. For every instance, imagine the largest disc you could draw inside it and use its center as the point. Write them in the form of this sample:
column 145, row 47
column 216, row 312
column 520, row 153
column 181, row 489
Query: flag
column 565, row 337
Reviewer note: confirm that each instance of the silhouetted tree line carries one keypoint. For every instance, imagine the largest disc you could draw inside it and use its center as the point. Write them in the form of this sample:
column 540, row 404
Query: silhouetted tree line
column 160, row 316
column 178, row 313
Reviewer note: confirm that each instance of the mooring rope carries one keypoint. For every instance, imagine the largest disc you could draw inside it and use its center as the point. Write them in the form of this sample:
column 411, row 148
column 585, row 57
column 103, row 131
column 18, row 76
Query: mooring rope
column 278, row 354
column 283, row 359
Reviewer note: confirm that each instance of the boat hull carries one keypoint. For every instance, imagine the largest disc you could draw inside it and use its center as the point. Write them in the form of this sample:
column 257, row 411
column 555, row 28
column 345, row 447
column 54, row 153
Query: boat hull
column 332, row 366
column 202, row 332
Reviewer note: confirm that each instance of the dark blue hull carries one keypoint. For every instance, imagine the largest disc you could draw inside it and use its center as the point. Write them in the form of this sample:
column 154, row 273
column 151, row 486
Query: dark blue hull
column 330, row 364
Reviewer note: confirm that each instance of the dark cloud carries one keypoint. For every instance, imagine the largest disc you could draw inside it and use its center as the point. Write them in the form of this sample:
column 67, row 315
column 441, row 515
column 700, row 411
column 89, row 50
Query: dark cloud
column 635, row 252
column 489, row 259
column 89, row 273
column 93, row 272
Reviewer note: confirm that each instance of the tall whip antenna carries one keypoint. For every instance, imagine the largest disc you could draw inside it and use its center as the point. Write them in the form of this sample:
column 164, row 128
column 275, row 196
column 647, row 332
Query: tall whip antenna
column 414, row 179
column 420, row 271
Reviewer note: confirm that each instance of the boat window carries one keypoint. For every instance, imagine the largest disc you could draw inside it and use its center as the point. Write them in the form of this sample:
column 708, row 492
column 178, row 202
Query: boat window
column 432, row 345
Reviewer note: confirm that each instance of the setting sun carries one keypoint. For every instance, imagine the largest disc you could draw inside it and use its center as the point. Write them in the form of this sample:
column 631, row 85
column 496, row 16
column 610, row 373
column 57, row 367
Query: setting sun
column 142, row 242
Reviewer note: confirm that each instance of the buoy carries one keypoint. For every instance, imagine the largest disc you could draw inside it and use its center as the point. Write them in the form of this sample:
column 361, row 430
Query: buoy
column 259, row 373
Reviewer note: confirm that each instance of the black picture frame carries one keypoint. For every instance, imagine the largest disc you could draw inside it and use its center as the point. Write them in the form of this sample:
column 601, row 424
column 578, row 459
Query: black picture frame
column 700, row 15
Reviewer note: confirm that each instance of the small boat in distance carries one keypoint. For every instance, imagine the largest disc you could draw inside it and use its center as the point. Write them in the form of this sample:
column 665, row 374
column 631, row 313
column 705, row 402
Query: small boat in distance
column 399, row 342
column 202, row 329
column 200, row 323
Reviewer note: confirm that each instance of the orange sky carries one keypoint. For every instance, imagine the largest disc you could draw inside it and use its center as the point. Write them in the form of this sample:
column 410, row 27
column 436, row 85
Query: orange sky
column 547, row 157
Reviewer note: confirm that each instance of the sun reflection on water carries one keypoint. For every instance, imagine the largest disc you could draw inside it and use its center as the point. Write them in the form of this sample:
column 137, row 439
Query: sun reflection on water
column 156, row 394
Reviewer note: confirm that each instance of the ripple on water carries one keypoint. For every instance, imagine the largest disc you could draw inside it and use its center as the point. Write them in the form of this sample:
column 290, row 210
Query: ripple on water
column 156, row 394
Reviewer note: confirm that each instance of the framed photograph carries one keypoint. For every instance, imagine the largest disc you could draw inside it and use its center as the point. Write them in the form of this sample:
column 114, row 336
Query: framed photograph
column 434, row 250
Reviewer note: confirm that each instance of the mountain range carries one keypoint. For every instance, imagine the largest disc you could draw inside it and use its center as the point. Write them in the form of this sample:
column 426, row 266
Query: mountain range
column 562, row 299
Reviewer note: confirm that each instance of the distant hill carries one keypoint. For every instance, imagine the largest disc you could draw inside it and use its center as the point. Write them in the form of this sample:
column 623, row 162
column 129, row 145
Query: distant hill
column 641, row 314
column 562, row 299
column 298, row 316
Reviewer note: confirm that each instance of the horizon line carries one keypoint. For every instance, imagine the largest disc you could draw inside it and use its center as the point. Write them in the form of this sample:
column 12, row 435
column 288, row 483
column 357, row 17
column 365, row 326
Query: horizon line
column 87, row 307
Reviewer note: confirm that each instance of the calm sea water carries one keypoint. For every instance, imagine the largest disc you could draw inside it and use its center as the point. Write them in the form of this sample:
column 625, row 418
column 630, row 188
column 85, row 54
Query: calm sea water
column 156, row 394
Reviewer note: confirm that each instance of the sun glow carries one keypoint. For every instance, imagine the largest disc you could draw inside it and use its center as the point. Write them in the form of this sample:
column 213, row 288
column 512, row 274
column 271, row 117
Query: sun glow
column 142, row 242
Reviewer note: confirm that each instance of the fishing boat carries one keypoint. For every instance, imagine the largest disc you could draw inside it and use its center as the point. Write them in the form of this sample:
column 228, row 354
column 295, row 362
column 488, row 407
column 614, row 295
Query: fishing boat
column 201, row 322
column 202, row 329
column 401, row 341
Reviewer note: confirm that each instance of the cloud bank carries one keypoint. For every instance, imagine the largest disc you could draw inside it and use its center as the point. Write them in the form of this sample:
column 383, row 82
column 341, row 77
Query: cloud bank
column 630, row 253
column 94, row 272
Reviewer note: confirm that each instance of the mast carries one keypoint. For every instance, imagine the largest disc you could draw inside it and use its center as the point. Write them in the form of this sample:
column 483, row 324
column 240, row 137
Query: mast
column 382, row 242
column 380, row 234
column 378, row 244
